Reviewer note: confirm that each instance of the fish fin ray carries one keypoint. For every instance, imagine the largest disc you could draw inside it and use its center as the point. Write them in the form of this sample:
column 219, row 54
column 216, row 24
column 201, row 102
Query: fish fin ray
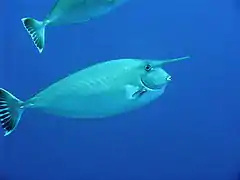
column 10, row 111
column 36, row 30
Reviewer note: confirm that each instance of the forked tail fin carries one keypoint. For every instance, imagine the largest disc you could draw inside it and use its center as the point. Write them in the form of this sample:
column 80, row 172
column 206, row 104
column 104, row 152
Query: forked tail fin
column 11, row 110
column 36, row 30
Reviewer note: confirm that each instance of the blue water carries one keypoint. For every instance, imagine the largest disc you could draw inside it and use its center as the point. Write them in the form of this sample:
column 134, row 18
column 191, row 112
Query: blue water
column 190, row 133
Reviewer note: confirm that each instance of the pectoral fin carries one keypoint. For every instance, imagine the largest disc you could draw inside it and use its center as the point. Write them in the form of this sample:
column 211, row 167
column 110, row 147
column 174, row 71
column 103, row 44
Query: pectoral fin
column 134, row 92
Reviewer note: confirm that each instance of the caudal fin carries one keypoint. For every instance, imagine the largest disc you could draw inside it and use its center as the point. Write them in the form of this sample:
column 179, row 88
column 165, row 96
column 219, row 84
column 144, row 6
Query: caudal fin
column 36, row 29
column 11, row 110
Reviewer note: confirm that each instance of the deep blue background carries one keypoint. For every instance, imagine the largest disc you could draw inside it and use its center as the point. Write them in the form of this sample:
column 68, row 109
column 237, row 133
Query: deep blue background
column 190, row 133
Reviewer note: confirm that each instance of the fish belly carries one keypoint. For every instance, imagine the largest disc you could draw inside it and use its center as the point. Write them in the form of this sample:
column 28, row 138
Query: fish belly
column 74, row 105
column 77, row 11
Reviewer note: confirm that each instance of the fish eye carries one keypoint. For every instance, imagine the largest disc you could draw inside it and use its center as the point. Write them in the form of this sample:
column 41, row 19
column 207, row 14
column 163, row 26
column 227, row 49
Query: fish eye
column 148, row 67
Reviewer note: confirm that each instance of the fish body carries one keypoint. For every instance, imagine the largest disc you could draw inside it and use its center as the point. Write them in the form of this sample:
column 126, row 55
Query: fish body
column 78, row 11
column 99, row 91
column 67, row 12
column 102, row 90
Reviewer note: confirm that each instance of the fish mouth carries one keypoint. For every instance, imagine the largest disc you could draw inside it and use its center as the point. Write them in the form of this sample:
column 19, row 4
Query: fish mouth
column 152, row 88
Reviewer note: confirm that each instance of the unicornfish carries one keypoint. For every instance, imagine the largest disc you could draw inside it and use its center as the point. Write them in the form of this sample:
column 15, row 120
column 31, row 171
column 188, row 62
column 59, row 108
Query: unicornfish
column 67, row 12
column 102, row 90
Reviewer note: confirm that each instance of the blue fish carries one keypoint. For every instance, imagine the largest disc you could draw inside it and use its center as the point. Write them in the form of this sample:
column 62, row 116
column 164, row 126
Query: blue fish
column 67, row 12
column 103, row 90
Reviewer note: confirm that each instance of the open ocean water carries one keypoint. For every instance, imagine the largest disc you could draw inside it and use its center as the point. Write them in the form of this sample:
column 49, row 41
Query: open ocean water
column 189, row 133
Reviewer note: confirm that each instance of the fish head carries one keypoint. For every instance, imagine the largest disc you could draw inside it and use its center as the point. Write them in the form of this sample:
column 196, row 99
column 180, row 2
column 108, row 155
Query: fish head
column 153, row 76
